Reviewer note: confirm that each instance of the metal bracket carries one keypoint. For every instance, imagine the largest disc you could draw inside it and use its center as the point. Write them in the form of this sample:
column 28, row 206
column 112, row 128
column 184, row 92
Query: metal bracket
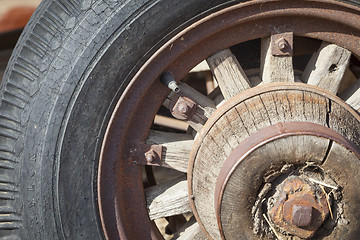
column 182, row 107
column 146, row 154
column 282, row 44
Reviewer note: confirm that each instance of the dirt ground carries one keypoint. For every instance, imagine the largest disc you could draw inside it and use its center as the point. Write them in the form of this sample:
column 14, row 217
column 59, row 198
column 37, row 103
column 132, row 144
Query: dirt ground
column 9, row 24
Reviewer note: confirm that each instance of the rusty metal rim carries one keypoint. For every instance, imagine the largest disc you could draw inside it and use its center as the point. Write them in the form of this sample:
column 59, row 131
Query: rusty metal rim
column 267, row 135
column 120, row 191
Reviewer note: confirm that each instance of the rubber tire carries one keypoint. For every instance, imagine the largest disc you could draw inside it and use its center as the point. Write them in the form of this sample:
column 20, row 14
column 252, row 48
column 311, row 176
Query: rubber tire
column 68, row 70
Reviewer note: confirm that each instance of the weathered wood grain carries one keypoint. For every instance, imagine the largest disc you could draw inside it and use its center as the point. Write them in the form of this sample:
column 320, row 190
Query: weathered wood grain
column 347, row 81
column 248, row 177
column 274, row 68
column 327, row 66
column 244, row 119
column 345, row 123
column 170, row 122
column 343, row 167
column 201, row 67
column 176, row 148
column 168, row 199
column 228, row 73
column 352, row 96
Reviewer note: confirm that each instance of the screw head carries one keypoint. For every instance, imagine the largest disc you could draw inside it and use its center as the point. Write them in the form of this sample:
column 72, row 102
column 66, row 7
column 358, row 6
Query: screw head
column 302, row 215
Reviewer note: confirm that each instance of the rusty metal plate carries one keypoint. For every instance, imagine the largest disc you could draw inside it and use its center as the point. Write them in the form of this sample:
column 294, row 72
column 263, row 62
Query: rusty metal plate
column 182, row 106
column 282, row 44
column 146, row 154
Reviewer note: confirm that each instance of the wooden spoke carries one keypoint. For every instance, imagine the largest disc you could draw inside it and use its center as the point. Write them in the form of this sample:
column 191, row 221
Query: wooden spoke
column 168, row 199
column 327, row 66
column 228, row 73
column 171, row 123
column 275, row 68
column 190, row 231
column 352, row 96
column 201, row 67
column 205, row 106
column 176, row 148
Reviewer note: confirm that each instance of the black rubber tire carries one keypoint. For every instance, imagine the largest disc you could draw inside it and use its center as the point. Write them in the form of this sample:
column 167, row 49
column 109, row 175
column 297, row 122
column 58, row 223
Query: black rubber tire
column 68, row 70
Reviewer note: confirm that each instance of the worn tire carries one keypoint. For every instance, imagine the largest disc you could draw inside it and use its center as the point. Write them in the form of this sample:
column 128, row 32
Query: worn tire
column 68, row 70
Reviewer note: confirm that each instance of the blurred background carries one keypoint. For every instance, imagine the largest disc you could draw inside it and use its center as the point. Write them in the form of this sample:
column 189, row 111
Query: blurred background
column 14, row 15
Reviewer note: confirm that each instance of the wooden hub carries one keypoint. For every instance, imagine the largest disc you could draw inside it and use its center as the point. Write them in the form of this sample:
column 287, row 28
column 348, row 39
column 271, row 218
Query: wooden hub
column 259, row 139
column 281, row 160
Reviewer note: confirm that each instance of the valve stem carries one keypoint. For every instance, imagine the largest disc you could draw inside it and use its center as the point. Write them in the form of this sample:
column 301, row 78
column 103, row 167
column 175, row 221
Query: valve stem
column 168, row 80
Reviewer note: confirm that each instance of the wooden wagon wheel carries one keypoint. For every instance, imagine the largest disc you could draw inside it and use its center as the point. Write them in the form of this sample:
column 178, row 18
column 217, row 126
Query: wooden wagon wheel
column 271, row 152
column 259, row 157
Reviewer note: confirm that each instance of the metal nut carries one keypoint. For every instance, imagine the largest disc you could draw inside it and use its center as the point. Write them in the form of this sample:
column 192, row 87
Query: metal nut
column 300, row 209
column 282, row 44
column 182, row 107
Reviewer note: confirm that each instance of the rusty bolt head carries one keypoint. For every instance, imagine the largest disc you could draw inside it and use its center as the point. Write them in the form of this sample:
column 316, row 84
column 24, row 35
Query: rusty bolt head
column 282, row 44
column 301, row 215
column 150, row 156
column 299, row 209
column 312, row 210
column 182, row 107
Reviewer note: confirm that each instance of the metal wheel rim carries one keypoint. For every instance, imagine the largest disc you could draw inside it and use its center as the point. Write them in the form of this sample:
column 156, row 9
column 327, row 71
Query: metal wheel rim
column 120, row 187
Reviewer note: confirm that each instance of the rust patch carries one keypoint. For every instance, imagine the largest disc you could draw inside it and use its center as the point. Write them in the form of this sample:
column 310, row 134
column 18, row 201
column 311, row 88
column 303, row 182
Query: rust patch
column 299, row 198
column 182, row 107
column 282, row 44
column 146, row 154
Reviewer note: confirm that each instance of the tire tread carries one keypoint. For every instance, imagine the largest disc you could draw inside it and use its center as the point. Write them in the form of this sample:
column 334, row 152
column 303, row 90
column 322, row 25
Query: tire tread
column 34, row 46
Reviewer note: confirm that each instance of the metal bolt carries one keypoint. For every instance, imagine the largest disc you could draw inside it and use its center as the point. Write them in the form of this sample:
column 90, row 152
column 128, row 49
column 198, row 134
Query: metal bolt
column 301, row 215
column 183, row 108
column 150, row 156
column 282, row 44
column 299, row 209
